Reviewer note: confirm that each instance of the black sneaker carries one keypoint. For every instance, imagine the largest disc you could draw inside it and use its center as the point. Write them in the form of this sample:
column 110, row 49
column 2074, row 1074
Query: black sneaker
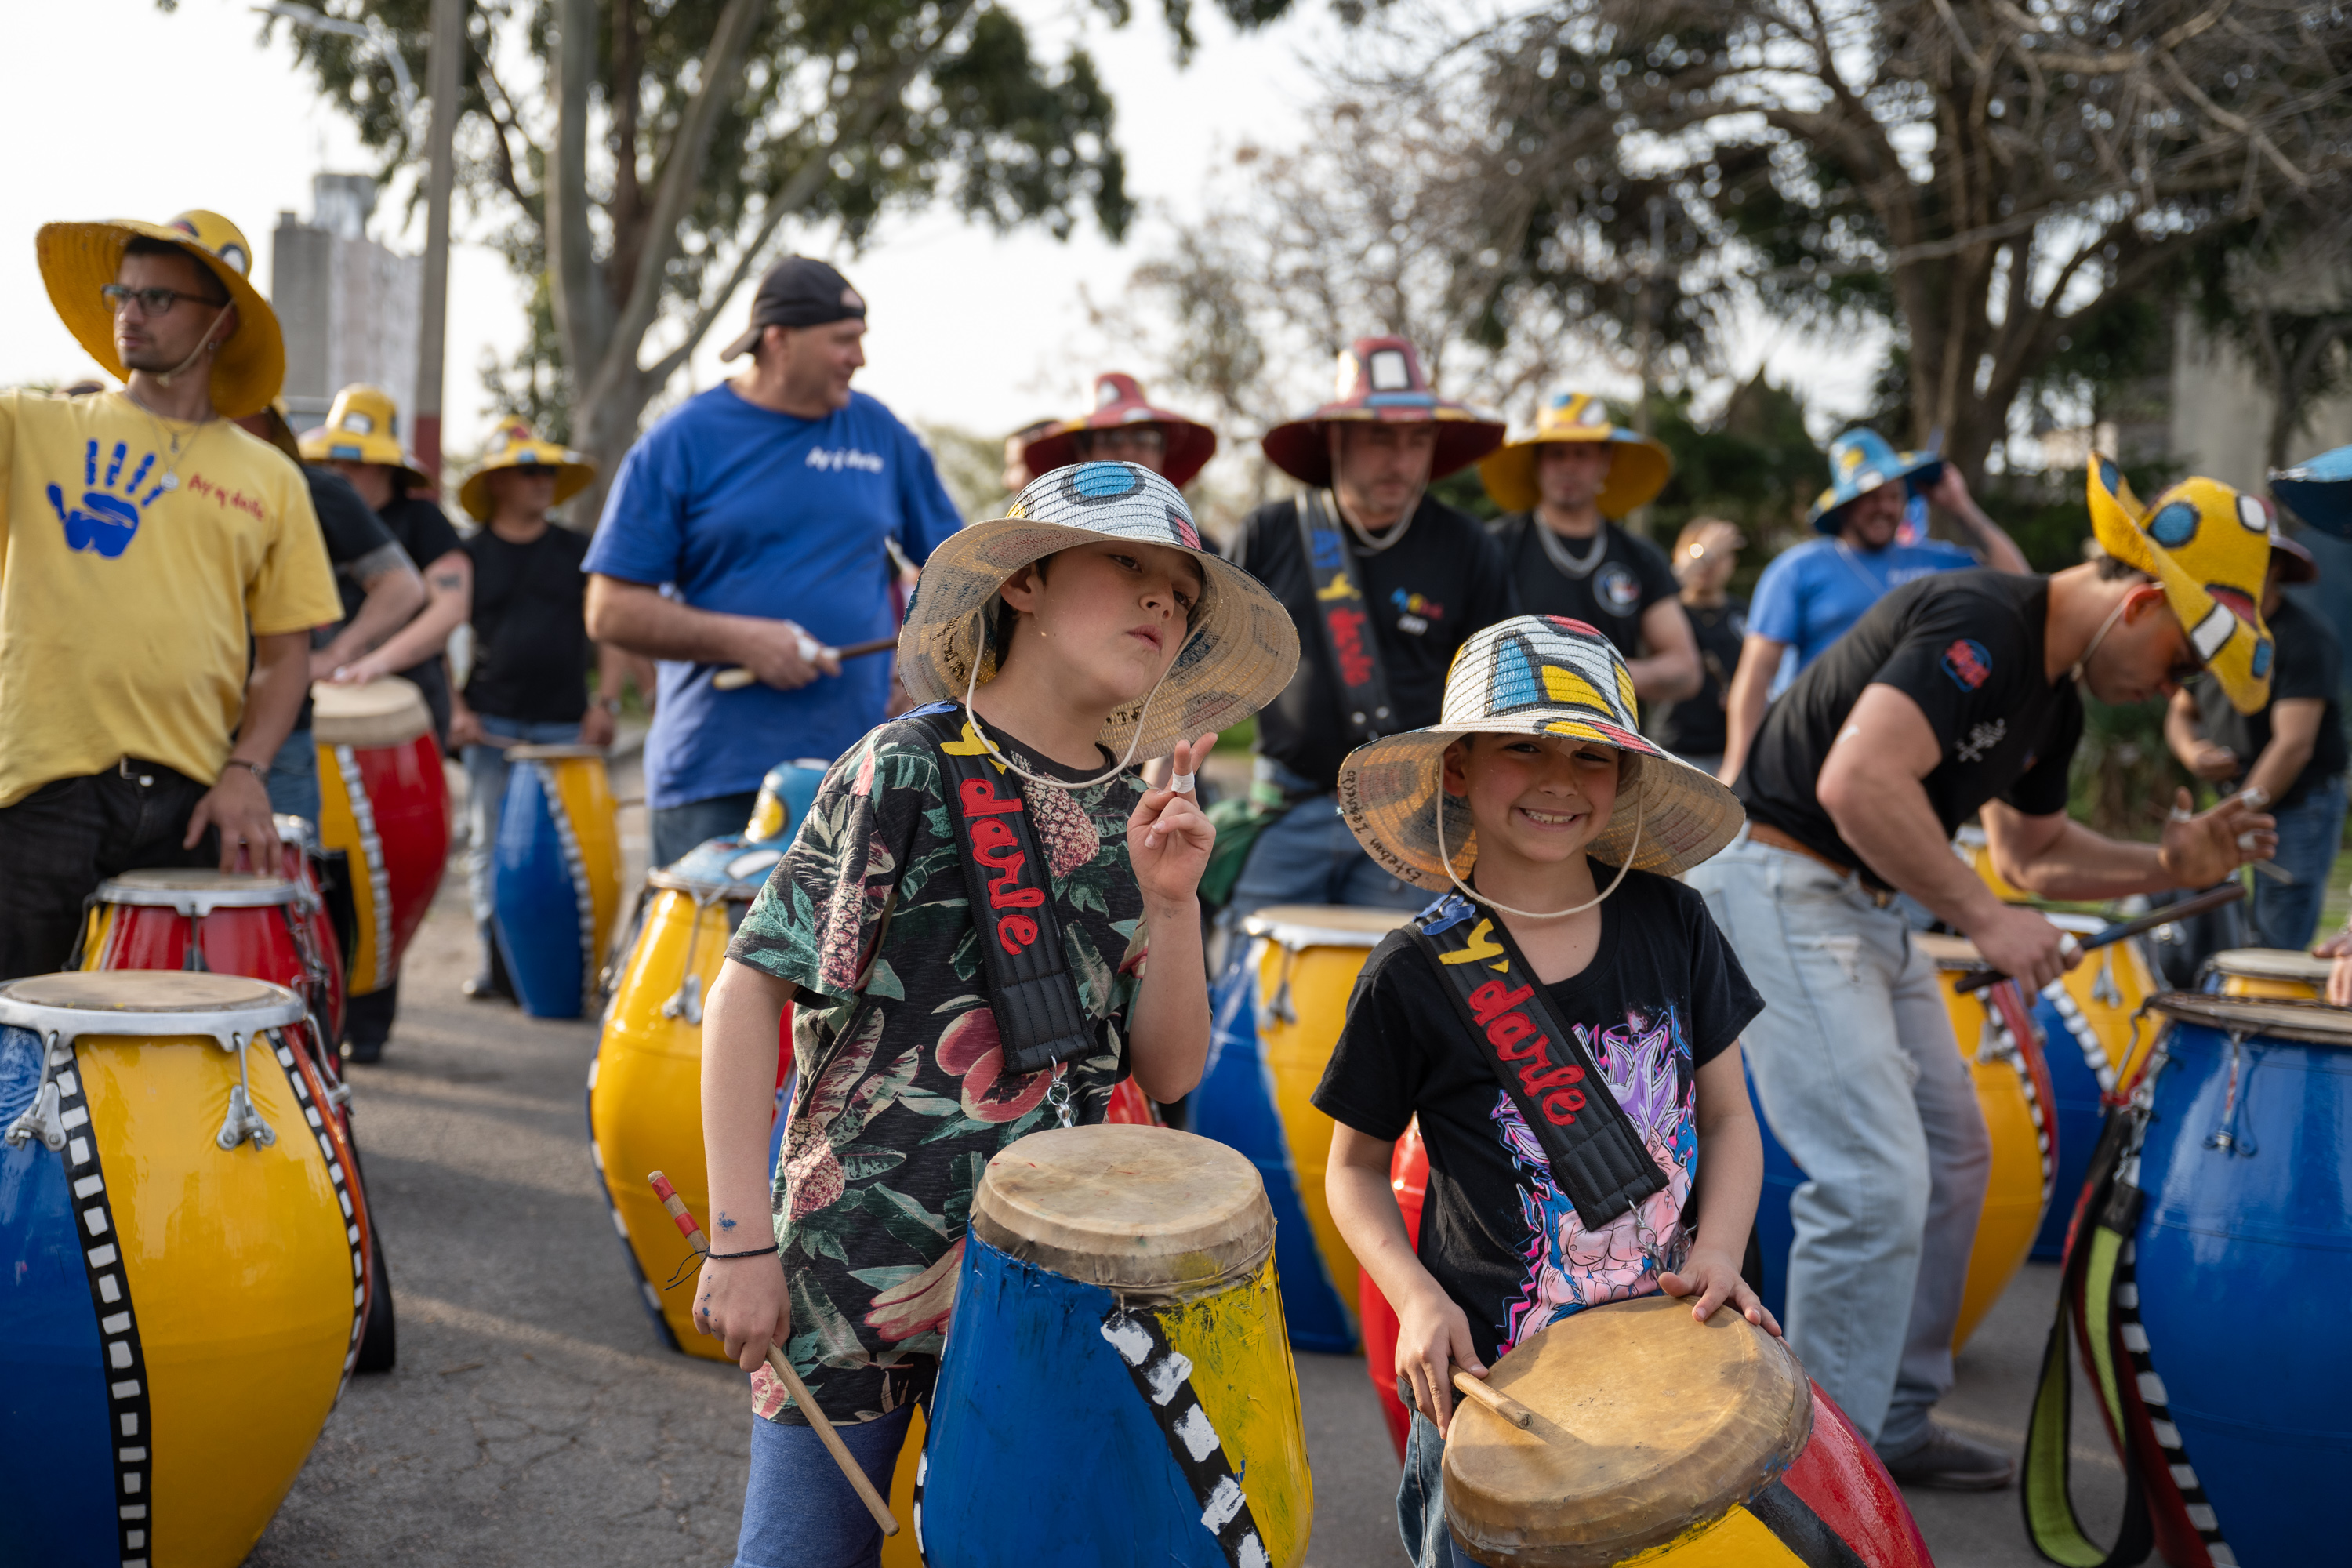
column 363, row 1050
column 485, row 987
column 1948, row 1462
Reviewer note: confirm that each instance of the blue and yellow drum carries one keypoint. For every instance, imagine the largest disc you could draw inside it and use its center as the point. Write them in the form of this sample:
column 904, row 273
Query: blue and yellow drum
column 644, row 1086
column 2282, row 973
column 1117, row 1386
column 182, row 1280
column 1275, row 1020
column 2089, row 1044
column 784, row 799
column 556, row 877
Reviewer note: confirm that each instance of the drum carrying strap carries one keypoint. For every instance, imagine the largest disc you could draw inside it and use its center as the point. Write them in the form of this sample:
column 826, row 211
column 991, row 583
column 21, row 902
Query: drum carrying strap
column 1347, row 622
column 1040, row 1022
column 1597, row 1156
column 2105, row 1220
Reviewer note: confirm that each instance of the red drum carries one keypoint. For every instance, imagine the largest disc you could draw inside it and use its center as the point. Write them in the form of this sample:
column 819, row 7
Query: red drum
column 325, row 993
column 1129, row 1107
column 1409, row 1179
column 385, row 802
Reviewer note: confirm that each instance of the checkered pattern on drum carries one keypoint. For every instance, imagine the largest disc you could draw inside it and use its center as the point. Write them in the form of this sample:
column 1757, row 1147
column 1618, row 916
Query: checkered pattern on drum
column 1163, row 1376
column 315, row 1115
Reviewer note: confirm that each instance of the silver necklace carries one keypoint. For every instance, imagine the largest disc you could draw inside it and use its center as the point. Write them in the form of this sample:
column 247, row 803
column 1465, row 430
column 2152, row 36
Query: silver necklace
column 171, row 476
column 1374, row 546
column 1574, row 567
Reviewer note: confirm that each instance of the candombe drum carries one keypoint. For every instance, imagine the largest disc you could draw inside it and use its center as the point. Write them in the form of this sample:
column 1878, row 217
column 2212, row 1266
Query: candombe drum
column 556, row 877
column 644, row 1084
column 1117, row 1384
column 1999, row 1040
column 2205, row 1287
column 181, row 1265
column 1409, row 1179
column 1275, row 1020
column 1660, row 1438
column 384, row 801
column 785, row 796
column 326, row 911
column 2087, row 1043
column 2274, row 972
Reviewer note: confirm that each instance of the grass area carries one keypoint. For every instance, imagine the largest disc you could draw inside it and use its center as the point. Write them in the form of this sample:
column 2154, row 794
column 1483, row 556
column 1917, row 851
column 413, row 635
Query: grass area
column 2340, row 895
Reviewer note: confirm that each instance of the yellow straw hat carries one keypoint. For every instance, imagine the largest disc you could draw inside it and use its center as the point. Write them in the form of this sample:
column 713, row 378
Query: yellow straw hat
column 1638, row 471
column 514, row 446
column 2209, row 546
column 77, row 260
column 361, row 427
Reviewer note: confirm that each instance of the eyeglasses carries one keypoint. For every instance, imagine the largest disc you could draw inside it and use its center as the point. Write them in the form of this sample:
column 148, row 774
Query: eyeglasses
column 535, row 470
column 152, row 301
column 1128, row 438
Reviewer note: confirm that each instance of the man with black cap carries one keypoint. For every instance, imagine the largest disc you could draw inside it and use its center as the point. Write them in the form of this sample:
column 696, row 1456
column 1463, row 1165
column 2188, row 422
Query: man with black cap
column 766, row 507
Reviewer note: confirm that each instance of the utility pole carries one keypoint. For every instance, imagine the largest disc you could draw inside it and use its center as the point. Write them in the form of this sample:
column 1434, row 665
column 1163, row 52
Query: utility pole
column 442, row 62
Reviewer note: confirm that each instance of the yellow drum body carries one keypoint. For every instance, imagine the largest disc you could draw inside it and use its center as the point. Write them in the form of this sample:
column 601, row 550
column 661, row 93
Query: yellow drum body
column 2268, row 972
column 2095, row 1002
column 224, row 1283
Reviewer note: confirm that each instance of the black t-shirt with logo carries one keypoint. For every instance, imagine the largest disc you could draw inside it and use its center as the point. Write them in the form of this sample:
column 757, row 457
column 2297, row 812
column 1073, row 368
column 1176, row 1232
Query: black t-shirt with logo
column 1663, row 996
column 2309, row 667
column 1694, row 727
column 1427, row 593
column 530, row 630
column 1631, row 575
column 1967, row 647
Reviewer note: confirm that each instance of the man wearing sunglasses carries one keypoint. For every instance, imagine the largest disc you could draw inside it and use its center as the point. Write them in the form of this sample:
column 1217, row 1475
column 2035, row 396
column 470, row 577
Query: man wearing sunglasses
column 1956, row 695
column 146, row 537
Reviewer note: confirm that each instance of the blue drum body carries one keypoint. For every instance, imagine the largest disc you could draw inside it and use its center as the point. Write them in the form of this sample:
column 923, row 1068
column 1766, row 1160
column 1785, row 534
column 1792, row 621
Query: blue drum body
column 555, row 876
column 2092, row 1050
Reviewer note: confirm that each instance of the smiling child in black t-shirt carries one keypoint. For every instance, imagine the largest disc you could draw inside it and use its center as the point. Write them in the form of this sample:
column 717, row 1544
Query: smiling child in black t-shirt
column 1545, row 789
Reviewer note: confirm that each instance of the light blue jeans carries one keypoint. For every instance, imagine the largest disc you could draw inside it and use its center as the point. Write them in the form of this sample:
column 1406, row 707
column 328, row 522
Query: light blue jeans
column 2285, row 915
column 800, row 1511
column 1854, row 1061
column 1420, row 1500
column 486, row 795
column 293, row 781
column 1306, row 856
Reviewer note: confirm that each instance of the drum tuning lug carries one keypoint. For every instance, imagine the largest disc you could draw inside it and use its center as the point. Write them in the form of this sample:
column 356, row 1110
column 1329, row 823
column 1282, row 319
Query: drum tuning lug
column 243, row 1122
column 43, row 1119
column 688, row 1003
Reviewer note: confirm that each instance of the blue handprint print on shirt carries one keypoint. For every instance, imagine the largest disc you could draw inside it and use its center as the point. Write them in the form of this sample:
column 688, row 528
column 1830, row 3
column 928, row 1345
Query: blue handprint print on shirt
column 103, row 520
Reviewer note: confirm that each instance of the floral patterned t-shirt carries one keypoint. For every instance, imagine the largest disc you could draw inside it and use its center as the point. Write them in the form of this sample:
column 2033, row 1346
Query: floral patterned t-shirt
column 900, row 1095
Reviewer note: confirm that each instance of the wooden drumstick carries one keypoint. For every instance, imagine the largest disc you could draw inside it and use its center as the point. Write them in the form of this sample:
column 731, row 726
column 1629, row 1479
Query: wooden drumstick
column 783, row 1368
column 738, row 677
column 1496, row 1400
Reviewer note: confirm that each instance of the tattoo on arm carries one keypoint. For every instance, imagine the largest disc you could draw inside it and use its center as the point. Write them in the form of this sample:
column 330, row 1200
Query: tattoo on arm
column 724, row 1222
column 453, row 581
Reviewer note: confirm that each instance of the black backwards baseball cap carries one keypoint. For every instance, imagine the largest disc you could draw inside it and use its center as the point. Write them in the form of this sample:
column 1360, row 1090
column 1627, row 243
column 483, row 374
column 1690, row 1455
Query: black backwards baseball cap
column 798, row 291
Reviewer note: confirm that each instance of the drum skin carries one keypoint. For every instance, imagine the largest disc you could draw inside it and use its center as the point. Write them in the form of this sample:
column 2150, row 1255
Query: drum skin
column 267, row 943
column 1409, row 1179
column 2282, row 973
column 387, row 807
column 2087, row 1044
column 2251, row 1234
column 217, row 1313
column 556, row 877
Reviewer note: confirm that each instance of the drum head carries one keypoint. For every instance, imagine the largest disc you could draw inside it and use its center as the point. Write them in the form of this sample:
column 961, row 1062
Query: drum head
column 551, row 753
column 387, row 712
column 1142, row 1210
column 733, row 867
column 144, row 991
column 1948, row 951
column 192, row 889
column 2289, row 1017
column 1324, row 925
column 1647, row 1425
column 2271, row 964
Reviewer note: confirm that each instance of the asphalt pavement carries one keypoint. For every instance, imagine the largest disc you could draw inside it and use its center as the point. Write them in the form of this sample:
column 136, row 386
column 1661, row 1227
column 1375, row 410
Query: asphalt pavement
column 534, row 1421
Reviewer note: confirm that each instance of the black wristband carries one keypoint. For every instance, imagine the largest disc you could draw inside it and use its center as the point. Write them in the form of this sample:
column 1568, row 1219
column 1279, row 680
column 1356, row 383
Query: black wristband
column 724, row 1257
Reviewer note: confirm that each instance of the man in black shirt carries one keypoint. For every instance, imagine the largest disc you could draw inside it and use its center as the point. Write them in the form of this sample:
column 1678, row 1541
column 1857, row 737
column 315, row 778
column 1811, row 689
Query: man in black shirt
column 1561, row 490
column 1396, row 582
column 1704, row 554
column 1954, row 694
column 2290, row 756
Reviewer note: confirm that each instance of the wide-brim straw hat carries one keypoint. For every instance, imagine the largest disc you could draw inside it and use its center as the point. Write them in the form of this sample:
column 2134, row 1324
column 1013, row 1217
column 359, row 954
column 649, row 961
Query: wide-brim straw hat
column 363, row 426
column 2209, row 547
column 1241, row 651
column 1379, row 382
column 77, row 260
column 1860, row 462
column 2319, row 491
column 515, row 447
column 1639, row 466
column 1531, row 674
column 1120, row 401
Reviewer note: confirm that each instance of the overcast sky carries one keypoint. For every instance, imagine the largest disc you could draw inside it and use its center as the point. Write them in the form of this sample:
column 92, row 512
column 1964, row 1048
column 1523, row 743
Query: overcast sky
column 118, row 108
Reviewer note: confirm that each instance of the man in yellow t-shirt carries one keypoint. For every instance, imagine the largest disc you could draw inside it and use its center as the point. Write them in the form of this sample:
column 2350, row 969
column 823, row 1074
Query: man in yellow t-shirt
column 144, row 537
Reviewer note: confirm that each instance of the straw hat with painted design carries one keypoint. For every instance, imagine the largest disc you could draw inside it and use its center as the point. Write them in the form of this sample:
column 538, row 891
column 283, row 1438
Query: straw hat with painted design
column 1119, row 403
column 514, row 446
column 78, row 260
column 362, row 426
column 2209, row 547
column 1379, row 382
column 1531, row 674
column 1242, row 645
column 1638, row 468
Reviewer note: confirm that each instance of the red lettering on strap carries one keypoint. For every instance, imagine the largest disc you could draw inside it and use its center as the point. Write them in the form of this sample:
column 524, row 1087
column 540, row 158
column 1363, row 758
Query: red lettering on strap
column 979, row 798
column 1542, row 1077
column 1561, row 1106
column 1492, row 999
column 1015, row 932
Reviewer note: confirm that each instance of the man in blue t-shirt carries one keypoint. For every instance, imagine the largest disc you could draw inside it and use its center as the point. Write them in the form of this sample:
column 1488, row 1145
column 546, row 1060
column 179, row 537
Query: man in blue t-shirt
column 751, row 528
column 1809, row 596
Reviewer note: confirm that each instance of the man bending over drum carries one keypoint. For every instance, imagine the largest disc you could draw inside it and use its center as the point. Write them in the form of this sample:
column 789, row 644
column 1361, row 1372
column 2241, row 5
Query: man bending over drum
column 1565, row 1025
column 995, row 837
column 1954, row 694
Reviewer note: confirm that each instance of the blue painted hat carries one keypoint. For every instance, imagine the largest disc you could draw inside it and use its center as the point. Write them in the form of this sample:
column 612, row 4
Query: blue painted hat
column 1861, row 461
column 2319, row 491
column 1242, row 645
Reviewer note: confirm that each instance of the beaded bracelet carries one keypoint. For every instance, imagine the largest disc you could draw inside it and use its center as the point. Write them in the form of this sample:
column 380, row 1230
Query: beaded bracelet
column 724, row 1257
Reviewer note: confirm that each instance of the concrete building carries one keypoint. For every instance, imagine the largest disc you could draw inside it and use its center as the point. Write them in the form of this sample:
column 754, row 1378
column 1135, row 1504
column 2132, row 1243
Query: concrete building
column 348, row 304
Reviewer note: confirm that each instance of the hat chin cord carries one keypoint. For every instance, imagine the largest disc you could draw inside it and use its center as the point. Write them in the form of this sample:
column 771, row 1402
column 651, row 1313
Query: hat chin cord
column 2075, row 674
column 1446, row 860
column 204, row 345
column 978, row 643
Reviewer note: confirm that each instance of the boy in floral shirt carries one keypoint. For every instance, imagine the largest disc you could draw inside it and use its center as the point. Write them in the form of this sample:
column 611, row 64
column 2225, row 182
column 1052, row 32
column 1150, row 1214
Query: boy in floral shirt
column 1051, row 649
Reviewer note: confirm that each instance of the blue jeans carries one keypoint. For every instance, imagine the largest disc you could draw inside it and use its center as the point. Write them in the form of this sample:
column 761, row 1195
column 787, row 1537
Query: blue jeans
column 800, row 1511
column 678, row 829
column 1420, row 1500
column 1306, row 856
column 1854, row 1061
column 2285, row 915
column 485, row 794
column 293, row 781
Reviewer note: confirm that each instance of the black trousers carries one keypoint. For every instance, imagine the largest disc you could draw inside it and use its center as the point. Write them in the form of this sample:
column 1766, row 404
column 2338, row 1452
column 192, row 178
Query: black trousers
column 58, row 843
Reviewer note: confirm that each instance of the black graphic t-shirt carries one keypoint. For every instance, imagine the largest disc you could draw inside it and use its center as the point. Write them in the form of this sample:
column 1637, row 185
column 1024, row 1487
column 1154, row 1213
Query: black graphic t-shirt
column 1693, row 727
column 2309, row 667
column 531, row 628
column 1631, row 575
column 1967, row 647
column 1428, row 593
column 1663, row 996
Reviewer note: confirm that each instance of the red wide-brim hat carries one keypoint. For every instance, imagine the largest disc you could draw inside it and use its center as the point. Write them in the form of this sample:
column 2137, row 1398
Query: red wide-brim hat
column 1381, row 382
column 1120, row 400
